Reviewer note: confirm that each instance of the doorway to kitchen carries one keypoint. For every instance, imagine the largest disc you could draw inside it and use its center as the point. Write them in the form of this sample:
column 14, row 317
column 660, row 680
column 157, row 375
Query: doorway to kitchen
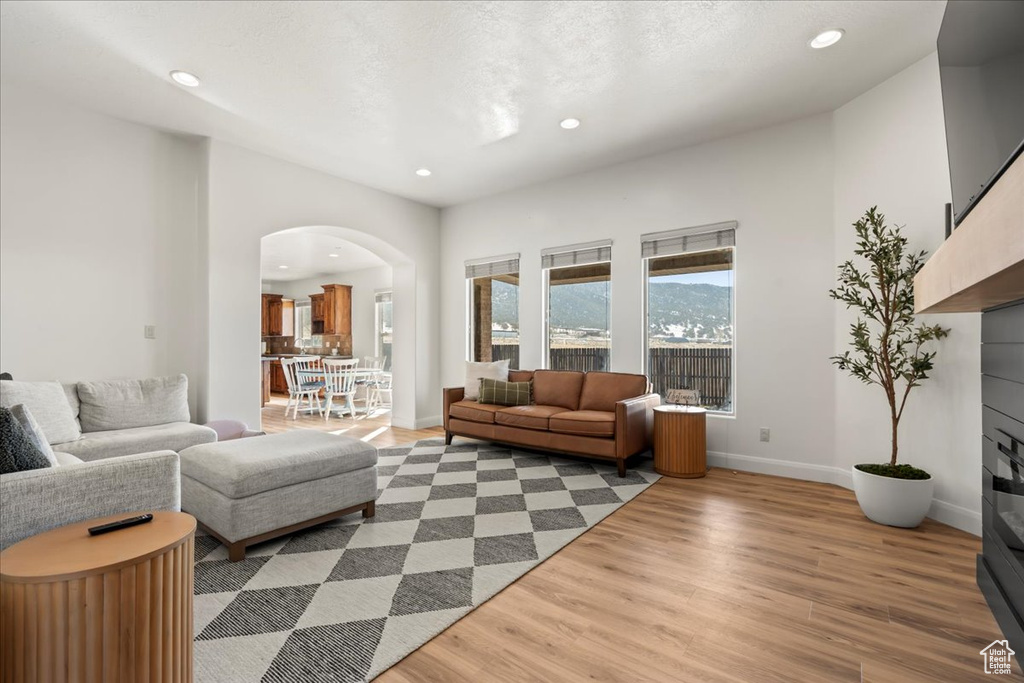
column 327, row 333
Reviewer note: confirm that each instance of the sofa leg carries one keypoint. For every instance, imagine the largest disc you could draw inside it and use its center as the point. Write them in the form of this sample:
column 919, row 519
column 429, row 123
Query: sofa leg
column 370, row 510
column 622, row 467
column 236, row 551
column 448, row 438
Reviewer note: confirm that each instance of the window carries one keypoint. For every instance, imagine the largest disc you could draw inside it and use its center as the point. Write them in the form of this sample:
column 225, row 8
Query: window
column 384, row 327
column 494, row 309
column 303, row 324
column 690, row 312
column 578, row 309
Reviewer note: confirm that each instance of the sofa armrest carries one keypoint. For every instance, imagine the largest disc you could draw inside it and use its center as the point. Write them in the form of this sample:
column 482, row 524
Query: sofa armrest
column 634, row 423
column 451, row 395
column 38, row 500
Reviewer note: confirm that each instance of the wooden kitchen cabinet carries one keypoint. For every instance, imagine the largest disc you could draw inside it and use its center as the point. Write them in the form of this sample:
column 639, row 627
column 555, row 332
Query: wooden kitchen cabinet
column 278, row 384
column 337, row 309
column 278, row 316
column 316, row 312
column 273, row 306
column 331, row 312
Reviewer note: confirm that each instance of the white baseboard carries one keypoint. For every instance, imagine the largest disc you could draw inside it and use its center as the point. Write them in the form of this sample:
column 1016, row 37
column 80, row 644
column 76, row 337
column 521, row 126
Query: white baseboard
column 425, row 422
column 941, row 511
column 825, row 474
column 956, row 516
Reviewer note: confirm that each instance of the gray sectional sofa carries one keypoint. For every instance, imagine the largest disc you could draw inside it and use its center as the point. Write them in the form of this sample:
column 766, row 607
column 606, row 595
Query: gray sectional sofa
column 116, row 444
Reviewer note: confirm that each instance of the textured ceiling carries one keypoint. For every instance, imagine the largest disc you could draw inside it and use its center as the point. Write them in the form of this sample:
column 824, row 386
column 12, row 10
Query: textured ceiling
column 472, row 90
column 306, row 253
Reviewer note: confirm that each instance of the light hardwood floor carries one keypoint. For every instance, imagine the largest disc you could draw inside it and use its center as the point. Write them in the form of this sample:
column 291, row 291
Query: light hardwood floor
column 734, row 577
column 377, row 429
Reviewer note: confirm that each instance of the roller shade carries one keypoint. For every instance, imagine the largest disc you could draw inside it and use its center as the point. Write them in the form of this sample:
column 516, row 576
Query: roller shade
column 490, row 267
column 576, row 254
column 382, row 297
column 700, row 238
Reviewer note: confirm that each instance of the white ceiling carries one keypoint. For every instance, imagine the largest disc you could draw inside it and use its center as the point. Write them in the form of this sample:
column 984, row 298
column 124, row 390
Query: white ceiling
column 472, row 90
column 306, row 254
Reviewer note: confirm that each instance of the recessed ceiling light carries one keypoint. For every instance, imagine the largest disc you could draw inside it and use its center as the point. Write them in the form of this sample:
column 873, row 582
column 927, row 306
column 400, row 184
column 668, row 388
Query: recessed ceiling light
column 185, row 78
column 283, row 267
column 423, row 172
column 569, row 124
column 826, row 38
column 333, row 255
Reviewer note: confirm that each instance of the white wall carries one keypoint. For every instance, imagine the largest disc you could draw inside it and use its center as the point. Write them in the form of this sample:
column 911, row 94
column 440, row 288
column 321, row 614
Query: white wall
column 891, row 152
column 252, row 195
column 365, row 283
column 107, row 226
column 777, row 183
column 795, row 190
column 98, row 238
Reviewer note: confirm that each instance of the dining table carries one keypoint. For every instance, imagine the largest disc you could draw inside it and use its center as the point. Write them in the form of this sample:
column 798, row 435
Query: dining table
column 363, row 375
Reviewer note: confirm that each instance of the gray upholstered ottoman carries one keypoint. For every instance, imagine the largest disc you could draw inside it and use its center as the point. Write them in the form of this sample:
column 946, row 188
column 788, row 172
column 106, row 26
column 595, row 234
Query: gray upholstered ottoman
column 248, row 491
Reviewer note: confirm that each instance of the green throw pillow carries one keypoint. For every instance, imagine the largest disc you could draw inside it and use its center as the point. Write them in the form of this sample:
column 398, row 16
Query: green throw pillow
column 499, row 393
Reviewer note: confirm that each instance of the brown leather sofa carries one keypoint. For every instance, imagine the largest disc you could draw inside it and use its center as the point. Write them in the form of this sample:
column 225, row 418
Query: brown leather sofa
column 598, row 414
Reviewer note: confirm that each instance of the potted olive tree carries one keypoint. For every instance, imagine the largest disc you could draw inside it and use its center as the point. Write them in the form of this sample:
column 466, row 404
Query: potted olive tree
column 887, row 349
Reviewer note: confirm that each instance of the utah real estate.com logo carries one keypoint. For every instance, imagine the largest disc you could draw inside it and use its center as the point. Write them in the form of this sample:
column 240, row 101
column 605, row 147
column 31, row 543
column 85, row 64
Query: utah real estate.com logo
column 997, row 657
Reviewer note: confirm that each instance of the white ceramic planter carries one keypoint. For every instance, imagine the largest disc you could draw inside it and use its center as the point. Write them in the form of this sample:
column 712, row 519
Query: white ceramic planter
column 895, row 502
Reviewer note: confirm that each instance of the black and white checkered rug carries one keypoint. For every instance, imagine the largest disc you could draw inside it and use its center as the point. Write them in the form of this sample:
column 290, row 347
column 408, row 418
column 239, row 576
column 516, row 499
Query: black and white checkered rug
column 345, row 601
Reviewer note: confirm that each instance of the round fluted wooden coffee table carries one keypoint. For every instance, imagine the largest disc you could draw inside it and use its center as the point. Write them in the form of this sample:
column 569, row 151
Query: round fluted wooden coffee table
column 113, row 608
column 680, row 447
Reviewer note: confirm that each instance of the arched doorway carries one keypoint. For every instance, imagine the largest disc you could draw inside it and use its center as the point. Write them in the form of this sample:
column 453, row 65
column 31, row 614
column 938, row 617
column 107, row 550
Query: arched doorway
column 297, row 266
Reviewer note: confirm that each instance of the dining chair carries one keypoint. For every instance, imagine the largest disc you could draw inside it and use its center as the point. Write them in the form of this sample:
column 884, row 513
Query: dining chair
column 340, row 379
column 300, row 388
column 373, row 363
column 379, row 393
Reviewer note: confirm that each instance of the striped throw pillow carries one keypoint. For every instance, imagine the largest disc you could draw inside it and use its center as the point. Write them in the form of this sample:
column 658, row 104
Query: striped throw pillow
column 499, row 393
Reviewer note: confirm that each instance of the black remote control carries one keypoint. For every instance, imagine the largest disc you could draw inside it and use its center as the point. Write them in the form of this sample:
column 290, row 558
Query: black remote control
column 120, row 524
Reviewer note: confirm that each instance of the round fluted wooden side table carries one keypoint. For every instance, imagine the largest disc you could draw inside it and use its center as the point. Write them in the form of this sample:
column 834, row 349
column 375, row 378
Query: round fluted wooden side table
column 112, row 608
column 680, row 448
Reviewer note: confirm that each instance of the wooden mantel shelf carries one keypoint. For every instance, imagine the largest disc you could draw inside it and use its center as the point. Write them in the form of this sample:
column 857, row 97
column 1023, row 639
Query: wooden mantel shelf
column 981, row 265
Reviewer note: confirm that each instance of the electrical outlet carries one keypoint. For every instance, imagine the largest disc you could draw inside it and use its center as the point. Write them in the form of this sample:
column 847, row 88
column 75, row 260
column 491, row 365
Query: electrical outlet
column 149, row 331
column 766, row 434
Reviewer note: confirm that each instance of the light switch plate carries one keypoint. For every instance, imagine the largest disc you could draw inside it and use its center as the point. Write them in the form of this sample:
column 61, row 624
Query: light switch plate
column 766, row 434
column 149, row 331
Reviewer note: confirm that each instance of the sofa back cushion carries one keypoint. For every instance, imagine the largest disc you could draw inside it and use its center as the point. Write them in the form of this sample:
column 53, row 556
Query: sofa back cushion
column 520, row 375
column 602, row 390
column 71, row 392
column 557, row 388
column 123, row 404
column 48, row 404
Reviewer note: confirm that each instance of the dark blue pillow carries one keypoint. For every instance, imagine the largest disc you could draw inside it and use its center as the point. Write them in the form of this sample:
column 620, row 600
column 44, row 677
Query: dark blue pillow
column 17, row 452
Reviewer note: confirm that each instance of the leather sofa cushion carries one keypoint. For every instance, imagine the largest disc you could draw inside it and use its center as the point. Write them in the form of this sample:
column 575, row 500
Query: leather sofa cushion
column 557, row 388
column 520, row 375
column 602, row 390
column 473, row 411
column 584, row 423
column 529, row 417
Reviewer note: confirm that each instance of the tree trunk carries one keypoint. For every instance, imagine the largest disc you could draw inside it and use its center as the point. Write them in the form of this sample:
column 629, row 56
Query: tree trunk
column 895, row 438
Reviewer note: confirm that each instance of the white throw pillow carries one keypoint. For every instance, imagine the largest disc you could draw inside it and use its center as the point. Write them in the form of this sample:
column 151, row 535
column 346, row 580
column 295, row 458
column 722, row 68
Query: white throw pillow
column 477, row 371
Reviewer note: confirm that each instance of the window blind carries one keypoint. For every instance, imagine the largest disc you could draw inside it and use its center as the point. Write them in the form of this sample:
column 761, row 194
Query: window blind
column 576, row 254
column 382, row 297
column 699, row 238
column 490, row 267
